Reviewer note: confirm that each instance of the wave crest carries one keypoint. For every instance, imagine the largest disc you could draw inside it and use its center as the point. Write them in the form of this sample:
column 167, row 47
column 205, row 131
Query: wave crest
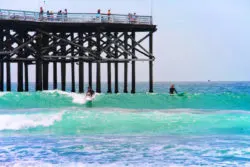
column 23, row 121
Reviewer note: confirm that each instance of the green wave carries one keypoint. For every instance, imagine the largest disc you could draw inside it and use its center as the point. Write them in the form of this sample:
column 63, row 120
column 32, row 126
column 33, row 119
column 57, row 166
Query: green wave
column 78, row 121
column 58, row 99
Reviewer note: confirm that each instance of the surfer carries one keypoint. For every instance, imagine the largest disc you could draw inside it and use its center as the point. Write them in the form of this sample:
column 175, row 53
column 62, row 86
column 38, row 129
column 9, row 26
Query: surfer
column 172, row 90
column 90, row 92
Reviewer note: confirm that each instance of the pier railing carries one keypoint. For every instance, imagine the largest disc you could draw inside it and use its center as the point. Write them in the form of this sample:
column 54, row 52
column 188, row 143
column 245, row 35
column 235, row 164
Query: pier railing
column 74, row 17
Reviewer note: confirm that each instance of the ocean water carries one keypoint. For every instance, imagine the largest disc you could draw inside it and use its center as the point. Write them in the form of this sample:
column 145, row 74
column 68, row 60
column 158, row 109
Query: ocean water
column 209, row 125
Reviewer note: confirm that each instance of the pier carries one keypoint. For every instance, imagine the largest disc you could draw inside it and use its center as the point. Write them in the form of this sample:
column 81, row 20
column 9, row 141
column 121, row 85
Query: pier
column 79, row 39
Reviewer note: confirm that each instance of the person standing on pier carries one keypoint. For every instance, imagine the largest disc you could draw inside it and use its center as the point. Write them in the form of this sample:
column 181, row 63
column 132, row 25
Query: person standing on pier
column 41, row 13
column 65, row 14
column 109, row 14
column 48, row 15
column 98, row 15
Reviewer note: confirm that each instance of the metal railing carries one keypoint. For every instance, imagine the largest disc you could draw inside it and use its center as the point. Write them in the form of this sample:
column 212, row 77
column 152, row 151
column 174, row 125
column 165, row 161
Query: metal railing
column 74, row 17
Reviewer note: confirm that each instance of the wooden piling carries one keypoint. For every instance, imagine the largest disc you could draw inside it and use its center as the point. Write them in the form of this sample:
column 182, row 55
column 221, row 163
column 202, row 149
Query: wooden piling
column 151, row 63
column 8, row 77
column 20, row 77
column 109, row 66
column 1, row 76
column 54, row 65
column 45, row 76
column 125, row 90
column 90, row 63
column 54, row 75
column 98, row 64
column 63, row 64
column 73, row 89
column 1, row 63
column 133, row 64
column 45, row 41
column 81, row 68
column 116, row 68
column 39, row 82
column 26, row 77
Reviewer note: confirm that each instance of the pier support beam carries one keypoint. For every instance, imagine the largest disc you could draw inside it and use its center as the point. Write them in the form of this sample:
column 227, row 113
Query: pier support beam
column 73, row 88
column 125, row 90
column 90, row 63
column 98, row 64
column 133, row 64
column 116, row 68
column 109, row 66
column 151, row 63
column 20, row 76
column 1, row 63
column 63, row 64
column 1, row 76
column 39, row 74
column 8, row 77
column 81, row 68
column 45, row 76
column 39, row 82
column 45, row 66
column 54, row 75
column 26, row 76
column 54, row 65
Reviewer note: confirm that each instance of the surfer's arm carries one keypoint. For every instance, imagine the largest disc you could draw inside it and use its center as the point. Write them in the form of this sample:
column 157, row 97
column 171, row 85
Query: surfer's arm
column 175, row 91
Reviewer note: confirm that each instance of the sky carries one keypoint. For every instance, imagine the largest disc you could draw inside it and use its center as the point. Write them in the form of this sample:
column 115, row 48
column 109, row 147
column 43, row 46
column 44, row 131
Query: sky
column 197, row 40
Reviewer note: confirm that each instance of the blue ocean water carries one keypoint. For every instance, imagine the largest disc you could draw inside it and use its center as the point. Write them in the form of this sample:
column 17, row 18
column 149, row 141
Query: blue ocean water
column 208, row 125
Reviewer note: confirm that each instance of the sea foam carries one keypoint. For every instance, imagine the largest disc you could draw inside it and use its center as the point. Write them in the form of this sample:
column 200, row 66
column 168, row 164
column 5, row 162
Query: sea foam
column 22, row 121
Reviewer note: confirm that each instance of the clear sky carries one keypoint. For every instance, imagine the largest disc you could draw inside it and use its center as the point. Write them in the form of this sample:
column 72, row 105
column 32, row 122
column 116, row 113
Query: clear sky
column 197, row 40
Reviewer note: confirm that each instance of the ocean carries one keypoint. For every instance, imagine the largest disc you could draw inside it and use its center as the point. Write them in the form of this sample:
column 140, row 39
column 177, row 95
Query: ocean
column 208, row 125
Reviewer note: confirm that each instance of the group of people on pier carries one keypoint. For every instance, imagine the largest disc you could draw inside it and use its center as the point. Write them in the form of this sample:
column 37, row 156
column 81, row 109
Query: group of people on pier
column 132, row 18
column 100, row 17
column 61, row 15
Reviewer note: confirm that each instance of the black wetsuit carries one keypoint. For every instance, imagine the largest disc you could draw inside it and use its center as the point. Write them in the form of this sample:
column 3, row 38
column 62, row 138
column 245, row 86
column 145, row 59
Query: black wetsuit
column 91, row 92
column 172, row 91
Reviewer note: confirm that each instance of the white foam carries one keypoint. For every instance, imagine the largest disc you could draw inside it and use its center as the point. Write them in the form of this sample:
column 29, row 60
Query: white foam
column 3, row 94
column 78, row 164
column 76, row 97
column 21, row 121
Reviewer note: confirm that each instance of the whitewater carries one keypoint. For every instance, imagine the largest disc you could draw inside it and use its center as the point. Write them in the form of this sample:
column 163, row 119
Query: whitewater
column 206, row 126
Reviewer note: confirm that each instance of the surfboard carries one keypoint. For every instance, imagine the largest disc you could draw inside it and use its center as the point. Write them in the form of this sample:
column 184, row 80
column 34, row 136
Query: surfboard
column 181, row 94
column 89, row 98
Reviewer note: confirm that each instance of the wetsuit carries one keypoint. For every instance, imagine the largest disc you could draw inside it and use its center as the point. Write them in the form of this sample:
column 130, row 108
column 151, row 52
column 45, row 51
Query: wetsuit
column 172, row 91
column 90, row 92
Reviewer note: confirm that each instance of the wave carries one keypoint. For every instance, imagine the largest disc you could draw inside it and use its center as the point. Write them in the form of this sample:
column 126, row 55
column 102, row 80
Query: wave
column 78, row 121
column 26, row 121
column 60, row 99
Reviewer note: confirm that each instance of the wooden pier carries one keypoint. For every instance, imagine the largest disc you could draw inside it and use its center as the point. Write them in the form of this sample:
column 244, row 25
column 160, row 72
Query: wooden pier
column 28, row 39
